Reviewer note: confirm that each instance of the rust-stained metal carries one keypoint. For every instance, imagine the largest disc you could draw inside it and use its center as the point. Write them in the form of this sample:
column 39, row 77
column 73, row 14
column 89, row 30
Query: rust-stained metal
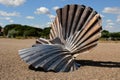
column 76, row 29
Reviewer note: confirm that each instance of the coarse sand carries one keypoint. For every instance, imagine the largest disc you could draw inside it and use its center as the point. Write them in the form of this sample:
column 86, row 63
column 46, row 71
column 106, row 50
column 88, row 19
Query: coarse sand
column 101, row 63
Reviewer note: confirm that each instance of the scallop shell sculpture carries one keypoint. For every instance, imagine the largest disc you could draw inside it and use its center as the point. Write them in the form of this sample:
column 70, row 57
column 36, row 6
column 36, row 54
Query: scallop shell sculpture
column 76, row 29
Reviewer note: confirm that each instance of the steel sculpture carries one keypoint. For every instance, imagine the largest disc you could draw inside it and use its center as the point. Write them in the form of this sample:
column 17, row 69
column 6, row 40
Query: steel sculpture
column 76, row 29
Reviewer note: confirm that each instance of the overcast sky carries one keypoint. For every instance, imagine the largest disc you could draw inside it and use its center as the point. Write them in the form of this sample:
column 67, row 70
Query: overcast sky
column 40, row 13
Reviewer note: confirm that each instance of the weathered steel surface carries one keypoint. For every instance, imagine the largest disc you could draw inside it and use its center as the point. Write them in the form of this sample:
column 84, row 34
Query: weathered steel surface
column 76, row 29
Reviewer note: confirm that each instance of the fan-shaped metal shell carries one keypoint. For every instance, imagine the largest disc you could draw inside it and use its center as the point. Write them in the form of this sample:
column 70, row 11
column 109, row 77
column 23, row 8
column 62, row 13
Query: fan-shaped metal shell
column 76, row 29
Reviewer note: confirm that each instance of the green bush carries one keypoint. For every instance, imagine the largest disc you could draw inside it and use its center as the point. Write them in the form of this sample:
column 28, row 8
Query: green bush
column 25, row 31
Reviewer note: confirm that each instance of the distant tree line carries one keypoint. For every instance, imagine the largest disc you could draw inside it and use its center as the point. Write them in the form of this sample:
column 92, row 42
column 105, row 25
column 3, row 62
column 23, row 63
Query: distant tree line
column 18, row 30
column 110, row 35
column 1, row 33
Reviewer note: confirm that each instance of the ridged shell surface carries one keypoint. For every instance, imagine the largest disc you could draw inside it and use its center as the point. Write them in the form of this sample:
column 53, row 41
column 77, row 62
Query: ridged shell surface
column 76, row 29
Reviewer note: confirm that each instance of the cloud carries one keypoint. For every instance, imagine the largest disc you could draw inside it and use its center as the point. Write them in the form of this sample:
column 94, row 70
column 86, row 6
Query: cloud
column 41, row 26
column 1, row 24
column 118, row 19
column 12, row 2
column 7, row 19
column 8, row 14
column 49, row 23
column 111, row 10
column 11, row 21
column 29, row 17
column 35, row 25
column 51, row 16
column 109, row 21
column 55, row 8
column 102, row 15
column 109, row 25
column 42, row 10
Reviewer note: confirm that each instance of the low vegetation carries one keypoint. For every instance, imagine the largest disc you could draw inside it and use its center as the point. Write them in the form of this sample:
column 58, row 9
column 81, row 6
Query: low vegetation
column 18, row 30
column 110, row 35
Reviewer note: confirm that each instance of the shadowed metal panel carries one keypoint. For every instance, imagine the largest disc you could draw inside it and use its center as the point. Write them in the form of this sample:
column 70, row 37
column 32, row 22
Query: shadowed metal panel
column 42, row 41
column 76, row 29
column 49, row 57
